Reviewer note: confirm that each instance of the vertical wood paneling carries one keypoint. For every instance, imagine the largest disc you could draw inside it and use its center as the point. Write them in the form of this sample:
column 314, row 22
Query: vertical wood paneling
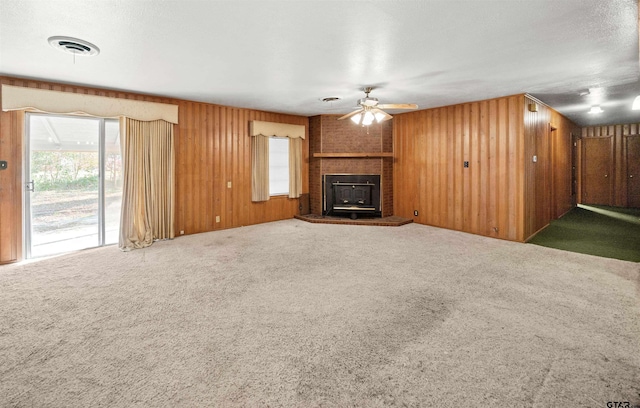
column 179, row 166
column 218, row 168
column 474, row 160
column 224, row 155
column 466, row 156
column 562, row 145
column 516, row 152
column 483, row 170
column 443, row 179
column 547, row 183
column 221, row 147
column 212, row 147
column 209, row 146
column 435, row 143
column 231, row 138
column 428, row 200
column 193, row 189
column 502, row 147
column 493, row 192
column 456, row 160
column 243, row 171
column 11, row 187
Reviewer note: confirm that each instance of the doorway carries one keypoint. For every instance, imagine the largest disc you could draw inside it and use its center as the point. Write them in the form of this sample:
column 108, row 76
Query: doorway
column 542, row 175
column 633, row 171
column 73, row 191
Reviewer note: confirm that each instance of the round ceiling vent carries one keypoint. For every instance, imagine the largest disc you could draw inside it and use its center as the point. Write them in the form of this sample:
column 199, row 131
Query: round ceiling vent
column 74, row 46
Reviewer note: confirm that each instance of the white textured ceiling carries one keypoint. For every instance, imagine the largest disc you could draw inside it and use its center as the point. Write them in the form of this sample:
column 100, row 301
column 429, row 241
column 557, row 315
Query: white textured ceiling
column 285, row 56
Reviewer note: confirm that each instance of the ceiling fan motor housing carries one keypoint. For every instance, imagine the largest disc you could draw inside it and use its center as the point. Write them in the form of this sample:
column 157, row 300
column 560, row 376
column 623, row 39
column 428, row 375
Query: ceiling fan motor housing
column 368, row 101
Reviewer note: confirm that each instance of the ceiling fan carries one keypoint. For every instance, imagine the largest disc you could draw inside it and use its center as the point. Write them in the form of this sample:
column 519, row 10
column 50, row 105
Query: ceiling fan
column 371, row 111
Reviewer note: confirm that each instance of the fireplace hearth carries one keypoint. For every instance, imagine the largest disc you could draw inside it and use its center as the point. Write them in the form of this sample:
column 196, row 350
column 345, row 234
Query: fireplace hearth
column 351, row 194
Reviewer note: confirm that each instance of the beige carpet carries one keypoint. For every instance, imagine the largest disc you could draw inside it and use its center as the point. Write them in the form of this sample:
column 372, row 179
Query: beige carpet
column 295, row 314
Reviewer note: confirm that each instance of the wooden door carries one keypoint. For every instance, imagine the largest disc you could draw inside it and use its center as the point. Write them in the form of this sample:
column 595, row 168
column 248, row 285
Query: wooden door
column 633, row 171
column 597, row 177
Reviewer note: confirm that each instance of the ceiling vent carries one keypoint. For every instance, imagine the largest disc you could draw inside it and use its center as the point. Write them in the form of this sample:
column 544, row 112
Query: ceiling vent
column 73, row 46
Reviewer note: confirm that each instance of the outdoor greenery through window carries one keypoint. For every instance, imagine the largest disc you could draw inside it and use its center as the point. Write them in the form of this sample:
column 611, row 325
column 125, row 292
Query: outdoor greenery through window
column 74, row 170
column 278, row 166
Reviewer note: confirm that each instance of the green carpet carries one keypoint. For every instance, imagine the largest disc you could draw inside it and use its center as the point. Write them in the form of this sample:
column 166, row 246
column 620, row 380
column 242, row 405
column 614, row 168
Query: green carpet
column 610, row 232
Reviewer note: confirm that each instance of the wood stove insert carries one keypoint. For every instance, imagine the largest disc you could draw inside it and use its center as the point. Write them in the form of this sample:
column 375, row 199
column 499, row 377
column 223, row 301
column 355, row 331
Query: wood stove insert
column 352, row 194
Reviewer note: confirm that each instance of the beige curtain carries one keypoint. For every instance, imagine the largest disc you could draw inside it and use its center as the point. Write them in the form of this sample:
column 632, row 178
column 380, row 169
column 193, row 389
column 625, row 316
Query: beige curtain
column 148, row 200
column 295, row 167
column 260, row 168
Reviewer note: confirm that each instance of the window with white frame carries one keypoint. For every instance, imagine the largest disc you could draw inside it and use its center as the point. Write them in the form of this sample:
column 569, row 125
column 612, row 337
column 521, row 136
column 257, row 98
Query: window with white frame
column 278, row 166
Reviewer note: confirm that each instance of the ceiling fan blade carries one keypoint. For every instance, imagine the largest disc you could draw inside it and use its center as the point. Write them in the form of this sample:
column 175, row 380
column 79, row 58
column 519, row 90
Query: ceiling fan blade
column 348, row 115
column 386, row 117
column 398, row 106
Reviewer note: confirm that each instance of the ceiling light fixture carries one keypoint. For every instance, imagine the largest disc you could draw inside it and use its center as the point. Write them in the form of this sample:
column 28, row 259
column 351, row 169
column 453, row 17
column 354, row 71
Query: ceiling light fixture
column 636, row 103
column 367, row 117
column 73, row 46
column 595, row 109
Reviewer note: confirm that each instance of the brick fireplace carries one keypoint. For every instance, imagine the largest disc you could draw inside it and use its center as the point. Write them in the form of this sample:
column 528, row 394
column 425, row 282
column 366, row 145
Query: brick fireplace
column 342, row 148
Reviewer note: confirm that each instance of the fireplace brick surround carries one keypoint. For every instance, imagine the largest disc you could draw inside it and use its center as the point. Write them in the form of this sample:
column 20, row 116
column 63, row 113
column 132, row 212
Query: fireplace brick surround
column 341, row 147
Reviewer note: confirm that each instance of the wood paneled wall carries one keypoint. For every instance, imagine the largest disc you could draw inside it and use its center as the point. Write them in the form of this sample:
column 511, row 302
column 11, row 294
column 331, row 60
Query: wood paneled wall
column 562, row 140
column 11, row 129
column 213, row 148
column 537, row 173
column 619, row 133
column 431, row 147
column 503, row 193
column 548, row 194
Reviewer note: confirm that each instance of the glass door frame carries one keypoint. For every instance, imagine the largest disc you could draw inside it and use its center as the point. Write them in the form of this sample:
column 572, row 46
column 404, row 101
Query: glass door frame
column 26, row 196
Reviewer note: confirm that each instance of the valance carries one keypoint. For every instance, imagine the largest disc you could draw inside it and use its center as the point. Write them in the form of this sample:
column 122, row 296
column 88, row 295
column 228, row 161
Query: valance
column 258, row 127
column 19, row 98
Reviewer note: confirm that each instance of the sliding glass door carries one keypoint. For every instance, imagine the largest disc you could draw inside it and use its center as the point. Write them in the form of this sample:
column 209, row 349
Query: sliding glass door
column 73, row 191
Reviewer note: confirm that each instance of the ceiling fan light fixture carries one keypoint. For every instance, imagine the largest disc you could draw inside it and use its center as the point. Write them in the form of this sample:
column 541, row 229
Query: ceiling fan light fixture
column 368, row 118
column 379, row 116
column 369, row 110
column 357, row 118
column 596, row 109
column 636, row 103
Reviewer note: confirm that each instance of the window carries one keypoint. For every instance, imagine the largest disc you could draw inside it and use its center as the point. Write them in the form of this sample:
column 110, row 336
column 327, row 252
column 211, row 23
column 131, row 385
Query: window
column 276, row 160
column 278, row 166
